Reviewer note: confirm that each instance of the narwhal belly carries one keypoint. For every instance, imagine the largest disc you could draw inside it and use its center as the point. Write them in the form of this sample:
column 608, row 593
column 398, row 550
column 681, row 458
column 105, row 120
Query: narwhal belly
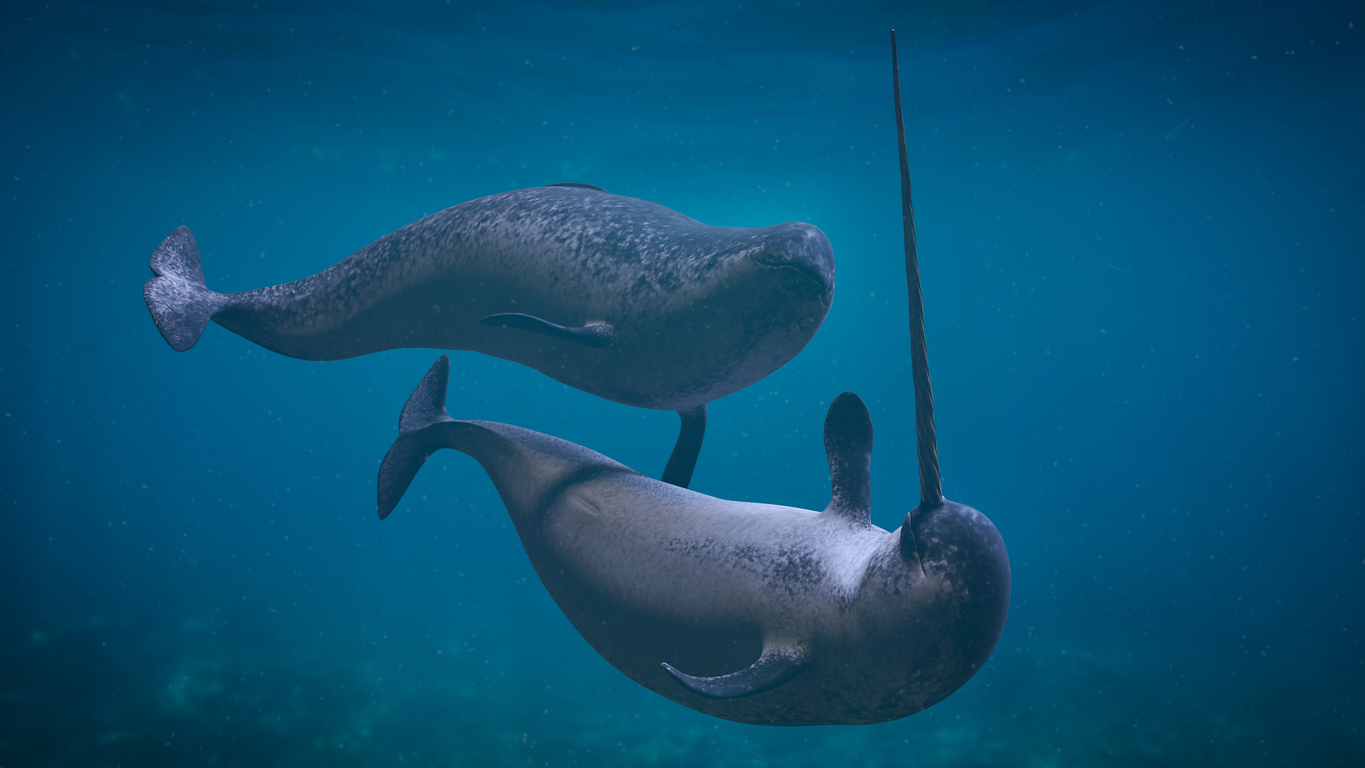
column 648, row 573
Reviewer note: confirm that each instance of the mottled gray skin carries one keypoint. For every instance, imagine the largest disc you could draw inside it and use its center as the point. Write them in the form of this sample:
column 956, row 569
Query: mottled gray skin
column 876, row 625
column 693, row 312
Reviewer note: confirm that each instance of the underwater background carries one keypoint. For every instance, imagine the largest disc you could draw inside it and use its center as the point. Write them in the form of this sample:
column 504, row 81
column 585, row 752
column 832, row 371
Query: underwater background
column 1142, row 238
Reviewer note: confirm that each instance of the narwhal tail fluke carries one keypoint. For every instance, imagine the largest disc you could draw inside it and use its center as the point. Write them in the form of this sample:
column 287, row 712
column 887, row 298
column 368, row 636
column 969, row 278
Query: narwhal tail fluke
column 420, row 434
column 180, row 302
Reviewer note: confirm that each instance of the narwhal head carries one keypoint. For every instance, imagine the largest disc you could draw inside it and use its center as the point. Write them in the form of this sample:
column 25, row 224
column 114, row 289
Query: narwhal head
column 751, row 302
column 796, row 256
column 962, row 560
column 934, row 593
column 931, row 607
column 792, row 259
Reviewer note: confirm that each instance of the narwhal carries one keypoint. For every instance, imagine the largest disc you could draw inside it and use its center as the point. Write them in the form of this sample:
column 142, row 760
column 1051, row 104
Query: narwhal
column 749, row 612
column 618, row 297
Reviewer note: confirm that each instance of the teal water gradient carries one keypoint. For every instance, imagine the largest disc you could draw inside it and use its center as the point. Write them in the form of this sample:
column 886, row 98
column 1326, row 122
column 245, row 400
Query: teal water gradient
column 1141, row 231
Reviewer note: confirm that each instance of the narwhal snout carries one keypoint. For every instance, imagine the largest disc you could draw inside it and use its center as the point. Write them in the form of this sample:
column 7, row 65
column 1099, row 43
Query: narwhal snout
column 962, row 550
column 804, row 248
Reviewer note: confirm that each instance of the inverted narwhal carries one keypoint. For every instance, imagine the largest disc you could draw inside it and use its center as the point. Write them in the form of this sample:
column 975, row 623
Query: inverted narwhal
column 619, row 297
column 749, row 612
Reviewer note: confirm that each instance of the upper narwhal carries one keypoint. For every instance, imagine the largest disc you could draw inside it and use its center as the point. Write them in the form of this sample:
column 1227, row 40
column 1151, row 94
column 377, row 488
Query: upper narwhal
column 618, row 297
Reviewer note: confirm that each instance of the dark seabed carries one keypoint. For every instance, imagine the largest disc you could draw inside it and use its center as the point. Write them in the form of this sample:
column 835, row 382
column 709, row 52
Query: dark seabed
column 1142, row 234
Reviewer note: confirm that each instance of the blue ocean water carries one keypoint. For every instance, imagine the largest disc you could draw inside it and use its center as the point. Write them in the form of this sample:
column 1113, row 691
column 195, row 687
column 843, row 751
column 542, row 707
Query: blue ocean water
column 1142, row 236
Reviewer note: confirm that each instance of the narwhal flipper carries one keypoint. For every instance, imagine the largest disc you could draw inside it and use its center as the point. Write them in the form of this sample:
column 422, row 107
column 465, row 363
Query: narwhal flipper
column 683, row 460
column 426, row 408
column 180, row 302
column 848, row 446
column 596, row 335
column 777, row 665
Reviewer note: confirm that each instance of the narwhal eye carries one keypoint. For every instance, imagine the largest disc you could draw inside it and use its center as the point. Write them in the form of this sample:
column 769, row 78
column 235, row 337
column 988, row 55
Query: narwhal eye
column 711, row 263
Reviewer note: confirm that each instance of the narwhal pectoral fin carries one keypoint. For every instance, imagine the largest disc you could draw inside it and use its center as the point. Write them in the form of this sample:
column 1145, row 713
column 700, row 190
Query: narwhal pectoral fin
column 776, row 666
column 417, row 439
column 180, row 303
column 683, row 460
column 848, row 446
column 596, row 335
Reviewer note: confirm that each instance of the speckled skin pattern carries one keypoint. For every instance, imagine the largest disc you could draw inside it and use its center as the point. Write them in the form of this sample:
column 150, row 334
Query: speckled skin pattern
column 888, row 623
column 699, row 312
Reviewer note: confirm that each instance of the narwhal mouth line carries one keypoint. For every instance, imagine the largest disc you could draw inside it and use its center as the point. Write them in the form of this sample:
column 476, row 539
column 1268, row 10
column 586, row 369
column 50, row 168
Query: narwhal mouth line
column 810, row 274
column 808, row 271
